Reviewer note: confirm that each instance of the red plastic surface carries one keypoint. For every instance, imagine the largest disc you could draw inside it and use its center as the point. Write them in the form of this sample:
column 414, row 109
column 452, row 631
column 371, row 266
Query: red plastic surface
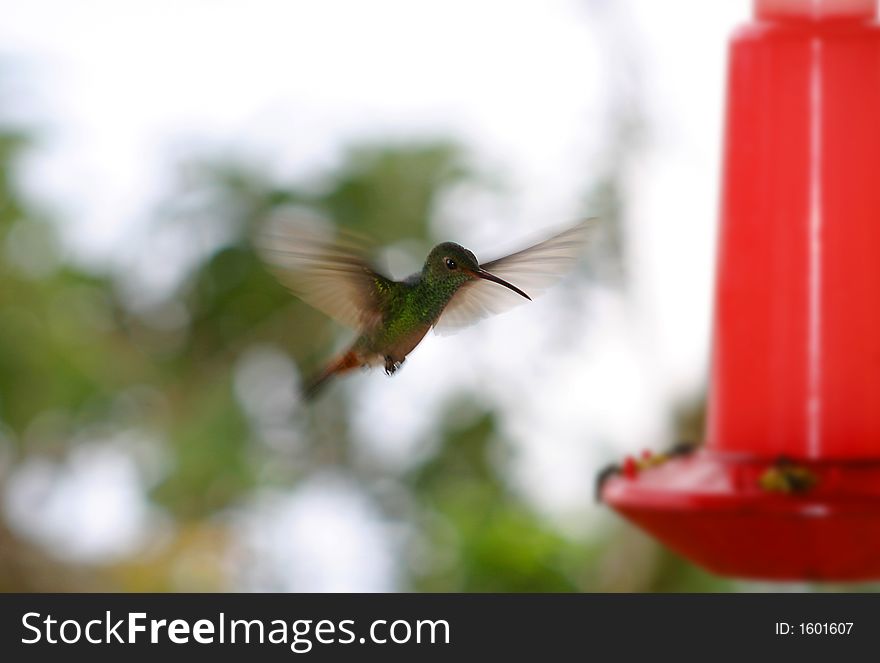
column 796, row 346
column 711, row 509
column 796, row 361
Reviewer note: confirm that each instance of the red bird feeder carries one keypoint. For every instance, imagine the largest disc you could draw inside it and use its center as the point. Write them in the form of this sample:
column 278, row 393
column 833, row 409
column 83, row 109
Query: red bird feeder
column 796, row 348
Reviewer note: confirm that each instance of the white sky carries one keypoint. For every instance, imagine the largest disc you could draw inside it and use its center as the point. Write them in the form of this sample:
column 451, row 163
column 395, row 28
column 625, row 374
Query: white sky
column 125, row 89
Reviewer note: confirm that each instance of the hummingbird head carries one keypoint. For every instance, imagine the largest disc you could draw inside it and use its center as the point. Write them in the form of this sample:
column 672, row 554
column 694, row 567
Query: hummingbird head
column 450, row 265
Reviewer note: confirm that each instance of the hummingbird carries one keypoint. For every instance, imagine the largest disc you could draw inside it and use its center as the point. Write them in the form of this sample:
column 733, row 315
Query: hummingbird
column 452, row 290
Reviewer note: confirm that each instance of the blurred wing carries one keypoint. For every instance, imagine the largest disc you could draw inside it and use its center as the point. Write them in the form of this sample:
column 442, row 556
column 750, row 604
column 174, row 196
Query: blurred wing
column 329, row 273
column 533, row 270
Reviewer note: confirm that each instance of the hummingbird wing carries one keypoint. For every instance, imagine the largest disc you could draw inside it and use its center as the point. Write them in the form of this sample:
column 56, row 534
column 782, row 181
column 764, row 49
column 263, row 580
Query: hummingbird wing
column 533, row 269
column 330, row 273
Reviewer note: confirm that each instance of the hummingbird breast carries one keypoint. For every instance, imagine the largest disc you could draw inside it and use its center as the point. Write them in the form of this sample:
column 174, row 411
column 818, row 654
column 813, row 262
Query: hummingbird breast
column 396, row 338
column 400, row 347
column 406, row 321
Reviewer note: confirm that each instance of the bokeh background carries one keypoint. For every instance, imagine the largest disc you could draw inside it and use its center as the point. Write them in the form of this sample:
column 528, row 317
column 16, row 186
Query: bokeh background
column 151, row 436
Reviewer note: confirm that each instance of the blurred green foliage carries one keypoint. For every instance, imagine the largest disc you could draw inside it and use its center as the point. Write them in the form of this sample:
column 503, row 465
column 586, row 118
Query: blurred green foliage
column 78, row 361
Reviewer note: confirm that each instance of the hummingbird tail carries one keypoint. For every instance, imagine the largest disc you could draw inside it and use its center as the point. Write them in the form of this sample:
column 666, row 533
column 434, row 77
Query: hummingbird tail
column 346, row 362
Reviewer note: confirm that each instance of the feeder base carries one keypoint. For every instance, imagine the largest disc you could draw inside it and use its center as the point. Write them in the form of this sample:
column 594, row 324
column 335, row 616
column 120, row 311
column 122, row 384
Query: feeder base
column 727, row 514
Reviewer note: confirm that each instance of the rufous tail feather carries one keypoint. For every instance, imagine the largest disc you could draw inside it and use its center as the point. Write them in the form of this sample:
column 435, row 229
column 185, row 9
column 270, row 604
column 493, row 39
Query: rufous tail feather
column 343, row 364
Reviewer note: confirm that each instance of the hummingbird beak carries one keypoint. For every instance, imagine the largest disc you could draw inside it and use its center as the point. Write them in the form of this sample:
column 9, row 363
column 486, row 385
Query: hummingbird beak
column 483, row 274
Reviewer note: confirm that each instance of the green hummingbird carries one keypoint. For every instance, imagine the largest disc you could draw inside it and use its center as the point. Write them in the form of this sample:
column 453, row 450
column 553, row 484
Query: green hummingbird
column 452, row 290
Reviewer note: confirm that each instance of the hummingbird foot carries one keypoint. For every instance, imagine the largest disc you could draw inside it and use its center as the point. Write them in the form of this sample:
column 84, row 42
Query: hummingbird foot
column 391, row 365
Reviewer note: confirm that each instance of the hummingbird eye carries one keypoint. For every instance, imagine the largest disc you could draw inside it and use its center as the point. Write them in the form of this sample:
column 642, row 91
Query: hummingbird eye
column 450, row 263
